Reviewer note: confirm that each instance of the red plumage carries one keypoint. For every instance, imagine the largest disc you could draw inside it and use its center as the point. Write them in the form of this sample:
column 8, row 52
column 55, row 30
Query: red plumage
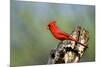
column 59, row 34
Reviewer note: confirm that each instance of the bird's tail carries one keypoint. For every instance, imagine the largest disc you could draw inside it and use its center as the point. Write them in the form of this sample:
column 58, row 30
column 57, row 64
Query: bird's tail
column 82, row 44
column 71, row 38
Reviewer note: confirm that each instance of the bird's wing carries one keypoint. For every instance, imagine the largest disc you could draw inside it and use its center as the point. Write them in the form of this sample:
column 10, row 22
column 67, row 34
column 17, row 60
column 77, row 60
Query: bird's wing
column 64, row 34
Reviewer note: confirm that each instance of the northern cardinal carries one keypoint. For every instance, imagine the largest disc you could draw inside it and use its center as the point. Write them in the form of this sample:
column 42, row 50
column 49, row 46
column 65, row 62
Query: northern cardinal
column 59, row 34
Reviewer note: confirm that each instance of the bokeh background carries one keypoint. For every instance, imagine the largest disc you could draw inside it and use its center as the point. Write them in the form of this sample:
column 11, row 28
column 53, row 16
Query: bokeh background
column 31, row 41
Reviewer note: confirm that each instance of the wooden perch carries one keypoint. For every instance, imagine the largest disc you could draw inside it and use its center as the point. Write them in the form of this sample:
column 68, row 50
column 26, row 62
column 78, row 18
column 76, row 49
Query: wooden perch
column 69, row 51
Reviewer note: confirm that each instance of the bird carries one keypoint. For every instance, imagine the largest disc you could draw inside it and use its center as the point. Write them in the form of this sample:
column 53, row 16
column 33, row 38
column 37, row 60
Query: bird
column 59, row 34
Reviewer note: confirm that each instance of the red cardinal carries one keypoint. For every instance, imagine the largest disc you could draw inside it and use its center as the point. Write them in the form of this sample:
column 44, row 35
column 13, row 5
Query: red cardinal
column 59, row 34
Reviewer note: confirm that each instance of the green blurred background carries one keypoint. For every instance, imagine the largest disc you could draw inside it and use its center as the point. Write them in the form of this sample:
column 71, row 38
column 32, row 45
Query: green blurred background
column 31, row 41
